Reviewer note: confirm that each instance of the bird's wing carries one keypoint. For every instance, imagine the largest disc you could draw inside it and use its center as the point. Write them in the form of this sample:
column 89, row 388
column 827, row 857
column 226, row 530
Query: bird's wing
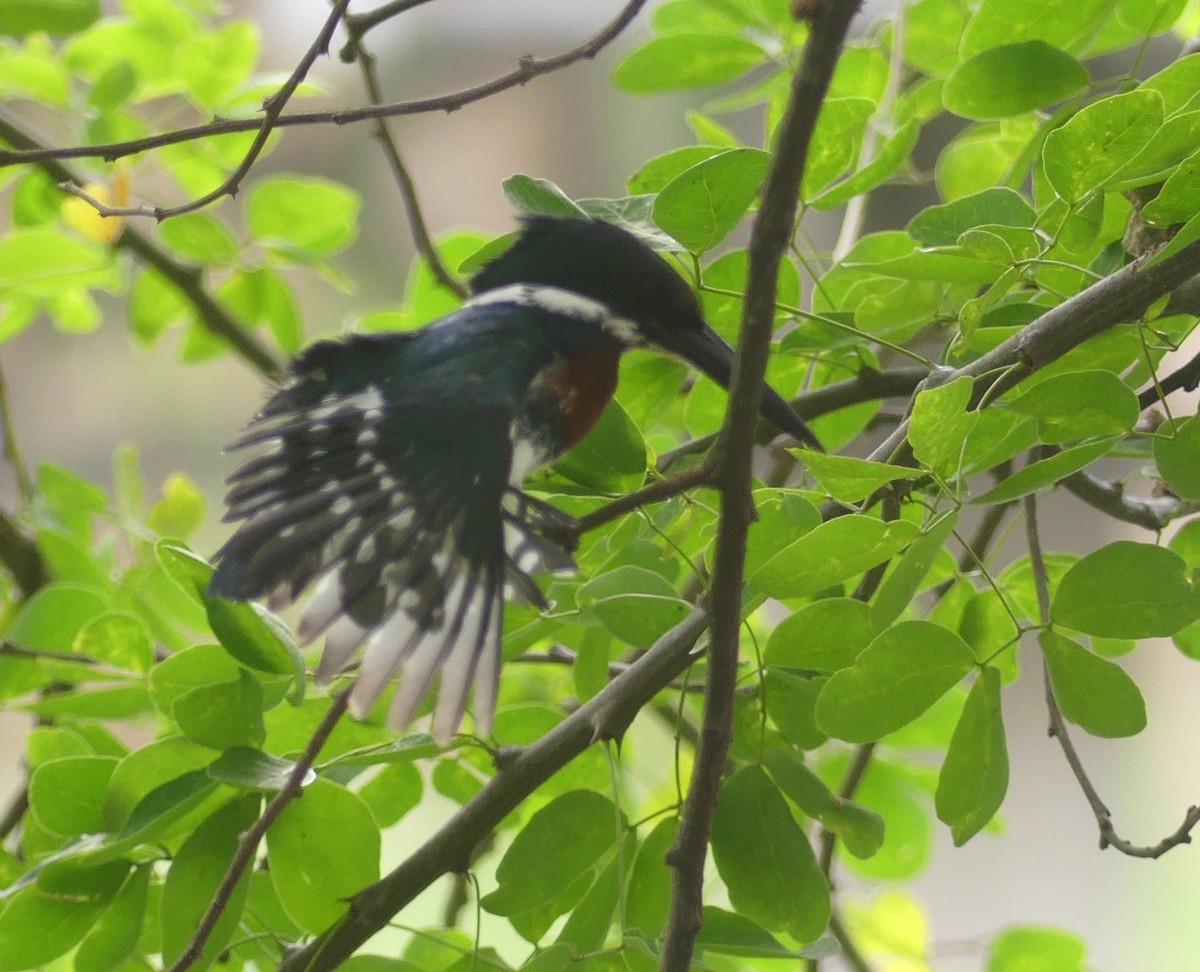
column 397, row 504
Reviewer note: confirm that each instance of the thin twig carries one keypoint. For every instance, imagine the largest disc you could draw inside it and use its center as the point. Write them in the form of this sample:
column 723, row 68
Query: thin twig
column 404, row 181
column 272, row 109
column 359, row 25
column 527, row 69
column 1058, row 726
column 249, row 841
column 770, row 235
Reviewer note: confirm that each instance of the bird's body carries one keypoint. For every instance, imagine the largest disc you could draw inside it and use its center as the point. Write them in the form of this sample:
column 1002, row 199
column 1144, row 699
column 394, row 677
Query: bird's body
column 391, row 464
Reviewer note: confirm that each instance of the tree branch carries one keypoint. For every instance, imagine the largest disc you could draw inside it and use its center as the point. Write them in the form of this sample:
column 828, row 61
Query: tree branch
column 527, row 69
column 521, row 770
column 1153, row 513
column 1058, row 726
column 770, row 234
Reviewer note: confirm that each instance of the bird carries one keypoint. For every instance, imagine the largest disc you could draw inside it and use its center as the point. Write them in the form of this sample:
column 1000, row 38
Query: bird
column 388, row 466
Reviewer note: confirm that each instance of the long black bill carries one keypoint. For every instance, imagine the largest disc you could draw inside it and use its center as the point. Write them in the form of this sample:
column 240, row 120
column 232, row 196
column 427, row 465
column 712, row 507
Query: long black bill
column 711, row 353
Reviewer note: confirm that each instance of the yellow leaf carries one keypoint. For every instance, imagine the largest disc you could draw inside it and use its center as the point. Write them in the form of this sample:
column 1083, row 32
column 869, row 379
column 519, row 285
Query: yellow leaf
column 82, row 217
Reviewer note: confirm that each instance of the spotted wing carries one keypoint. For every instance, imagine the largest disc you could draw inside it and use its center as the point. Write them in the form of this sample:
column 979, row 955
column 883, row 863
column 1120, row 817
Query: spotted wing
column 398, row 506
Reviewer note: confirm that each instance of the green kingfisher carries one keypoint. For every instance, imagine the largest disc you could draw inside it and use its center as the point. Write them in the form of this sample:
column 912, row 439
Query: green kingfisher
column 389, row 466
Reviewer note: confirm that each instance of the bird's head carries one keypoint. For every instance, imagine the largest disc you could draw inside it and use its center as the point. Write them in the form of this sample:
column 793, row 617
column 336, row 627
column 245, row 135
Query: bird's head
column 649, row 302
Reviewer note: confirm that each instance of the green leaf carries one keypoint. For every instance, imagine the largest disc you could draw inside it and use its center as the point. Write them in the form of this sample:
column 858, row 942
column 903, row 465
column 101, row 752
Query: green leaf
column 1079, row 404
column 1177, row 456
column 999, row 22
column 67, row 795
column 637, row 605
column 254, row 636
column 790, row 701
column 831, row 554
column 943, row 225
column 1030, row 949
column 701, row 205
column 1179, row 198
column 860, row 829
column 824, row 636
column 890, row 157
column 647, row 901
column 907, row 668
column 659, row 171
column 322, row 849
column 765, row 859
column 974, row 776
column 784, row 515
column 200, row 237
column 563, row 840
column 197, row 870
column 686, row 60
column 222, row 715
column 120, row 640
column 1127, row 590
column 115, row 935
column 728, row 933
column 392, row 792
column 939, row 425
column 890, row 790
column 612, row 456
column 1091, row 691
column 1046, row 472
column 45, row 263
column 252, row 769
column 46, row 919
column 54, row 616
column 21, row 17
column 302, row 216
column 1100, row 140
column 849, row 479
column 121, row 702
column 903, row 581
column 189, row 669
column 1003, row 81
column 212, row 65
column 531, row 195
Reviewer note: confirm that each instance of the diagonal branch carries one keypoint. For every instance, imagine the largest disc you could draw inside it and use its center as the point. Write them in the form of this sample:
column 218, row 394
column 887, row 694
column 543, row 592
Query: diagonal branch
column 770, row 236
column 527, row 69
column 521, row 770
